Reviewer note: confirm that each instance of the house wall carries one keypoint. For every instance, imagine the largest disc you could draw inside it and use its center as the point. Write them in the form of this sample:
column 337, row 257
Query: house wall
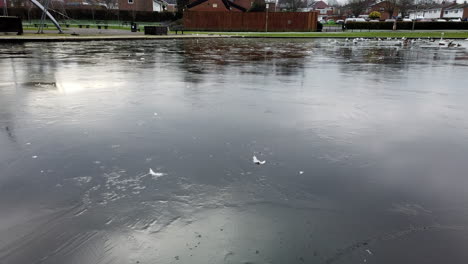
column 171, row 8
column 453, row 13
column 256, row 21
column 244, row 3
column 426, row 14
column 383, row 12
column 138, row 5
column 212, row 6
column 158, row 7
column 433, row 13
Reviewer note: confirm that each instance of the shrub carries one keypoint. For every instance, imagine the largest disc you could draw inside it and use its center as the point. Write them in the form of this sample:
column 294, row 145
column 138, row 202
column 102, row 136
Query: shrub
column 257, row 7
column 374, row 15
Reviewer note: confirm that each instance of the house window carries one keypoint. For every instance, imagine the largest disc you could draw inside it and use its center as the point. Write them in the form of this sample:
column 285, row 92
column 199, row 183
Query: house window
column 130, row 1
column 456, row 11
column 215, row 5
column 446, row 12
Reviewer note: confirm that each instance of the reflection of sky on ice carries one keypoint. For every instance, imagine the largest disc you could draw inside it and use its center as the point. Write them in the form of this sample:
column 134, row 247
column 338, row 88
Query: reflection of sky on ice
column 364, row 146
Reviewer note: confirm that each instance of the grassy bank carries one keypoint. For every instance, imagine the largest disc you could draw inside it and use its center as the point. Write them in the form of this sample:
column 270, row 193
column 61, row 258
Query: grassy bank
column 379, row 34
column 111, row 24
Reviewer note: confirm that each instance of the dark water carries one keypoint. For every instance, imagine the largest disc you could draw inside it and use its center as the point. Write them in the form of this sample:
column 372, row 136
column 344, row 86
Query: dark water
column 366, row 150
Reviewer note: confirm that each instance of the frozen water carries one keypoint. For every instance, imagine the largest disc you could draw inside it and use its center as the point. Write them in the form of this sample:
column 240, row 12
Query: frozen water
column 381, row 130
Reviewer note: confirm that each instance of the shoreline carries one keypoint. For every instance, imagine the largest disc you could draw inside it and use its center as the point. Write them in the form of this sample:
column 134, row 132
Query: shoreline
column 458, row 35
column 70, row 38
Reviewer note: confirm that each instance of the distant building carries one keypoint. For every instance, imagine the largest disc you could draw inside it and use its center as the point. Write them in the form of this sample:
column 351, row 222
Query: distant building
column 15, row 3
column 171, row 5
column 433, row 11
column 226, row 5
column 136, row 5
column 84, row 4
column 456, row 11
column 146, row 5
column 384, row 8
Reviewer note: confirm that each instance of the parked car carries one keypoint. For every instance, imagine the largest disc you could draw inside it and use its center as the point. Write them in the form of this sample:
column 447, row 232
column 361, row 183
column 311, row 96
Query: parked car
column 455, row 20
column 355, row 20
column 390, row 20
column 441, row 20
column 322, row 21
column 340, row 21
column 407, row 20
column 331, row 21
column 374, row 20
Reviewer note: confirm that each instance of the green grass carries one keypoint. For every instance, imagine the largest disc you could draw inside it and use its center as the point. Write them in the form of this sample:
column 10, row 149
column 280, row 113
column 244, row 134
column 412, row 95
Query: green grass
column 111, row 24
column 380, row 34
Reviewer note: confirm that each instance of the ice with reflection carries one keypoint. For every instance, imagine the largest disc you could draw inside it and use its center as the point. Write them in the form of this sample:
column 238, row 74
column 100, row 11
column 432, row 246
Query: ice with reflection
column 365, row 144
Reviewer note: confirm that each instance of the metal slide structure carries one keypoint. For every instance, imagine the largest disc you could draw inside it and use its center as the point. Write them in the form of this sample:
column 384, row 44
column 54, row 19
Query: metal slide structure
column 39, row 5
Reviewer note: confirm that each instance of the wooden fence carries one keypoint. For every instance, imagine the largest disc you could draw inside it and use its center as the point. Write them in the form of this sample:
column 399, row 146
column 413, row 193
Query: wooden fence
column 250, row 21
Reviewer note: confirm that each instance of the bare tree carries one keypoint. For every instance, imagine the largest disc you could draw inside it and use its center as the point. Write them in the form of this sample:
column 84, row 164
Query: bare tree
column 357, row 7
column 390, row 6
column 404, row 6
column 292, row 5
column 181, row 6
column 333, row 3
column 111, row 4
column 111, row 7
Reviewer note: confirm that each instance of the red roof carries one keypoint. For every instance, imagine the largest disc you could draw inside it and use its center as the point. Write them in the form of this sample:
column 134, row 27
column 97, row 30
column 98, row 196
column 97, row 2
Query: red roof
column 319, row 5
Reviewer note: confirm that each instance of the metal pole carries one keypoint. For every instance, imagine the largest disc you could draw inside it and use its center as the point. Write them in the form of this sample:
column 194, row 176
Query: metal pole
column 414, row 20
column 5, row 9
column 41, row 25
column 266, row 17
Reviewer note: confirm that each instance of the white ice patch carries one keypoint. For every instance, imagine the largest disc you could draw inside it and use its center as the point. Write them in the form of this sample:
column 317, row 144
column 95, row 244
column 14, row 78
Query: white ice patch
column 156, row 175
column 82, row 180
column 409, row 209
column 257, row 161
column 301, row 172
column 34, row 157
column 368, row 251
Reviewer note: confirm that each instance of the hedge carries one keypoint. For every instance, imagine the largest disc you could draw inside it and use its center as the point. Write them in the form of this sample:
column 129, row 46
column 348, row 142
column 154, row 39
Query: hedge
column 98, row 14
column 407, row 25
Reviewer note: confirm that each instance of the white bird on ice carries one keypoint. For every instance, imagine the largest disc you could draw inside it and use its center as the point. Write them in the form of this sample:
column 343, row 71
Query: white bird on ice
column 257, row 161
column 155, row 174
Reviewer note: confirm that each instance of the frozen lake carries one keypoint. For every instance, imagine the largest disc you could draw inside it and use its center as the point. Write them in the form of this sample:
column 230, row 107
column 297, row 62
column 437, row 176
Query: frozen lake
column 365, row 148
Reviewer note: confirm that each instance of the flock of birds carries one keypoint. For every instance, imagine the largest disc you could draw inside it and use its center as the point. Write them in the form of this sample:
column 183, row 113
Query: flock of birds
column 404, row 41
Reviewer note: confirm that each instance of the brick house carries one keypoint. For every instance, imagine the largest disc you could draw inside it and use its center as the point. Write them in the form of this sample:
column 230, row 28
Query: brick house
column 384, row 8
column 225, row 5
column 136, row 5
column 323, row 8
